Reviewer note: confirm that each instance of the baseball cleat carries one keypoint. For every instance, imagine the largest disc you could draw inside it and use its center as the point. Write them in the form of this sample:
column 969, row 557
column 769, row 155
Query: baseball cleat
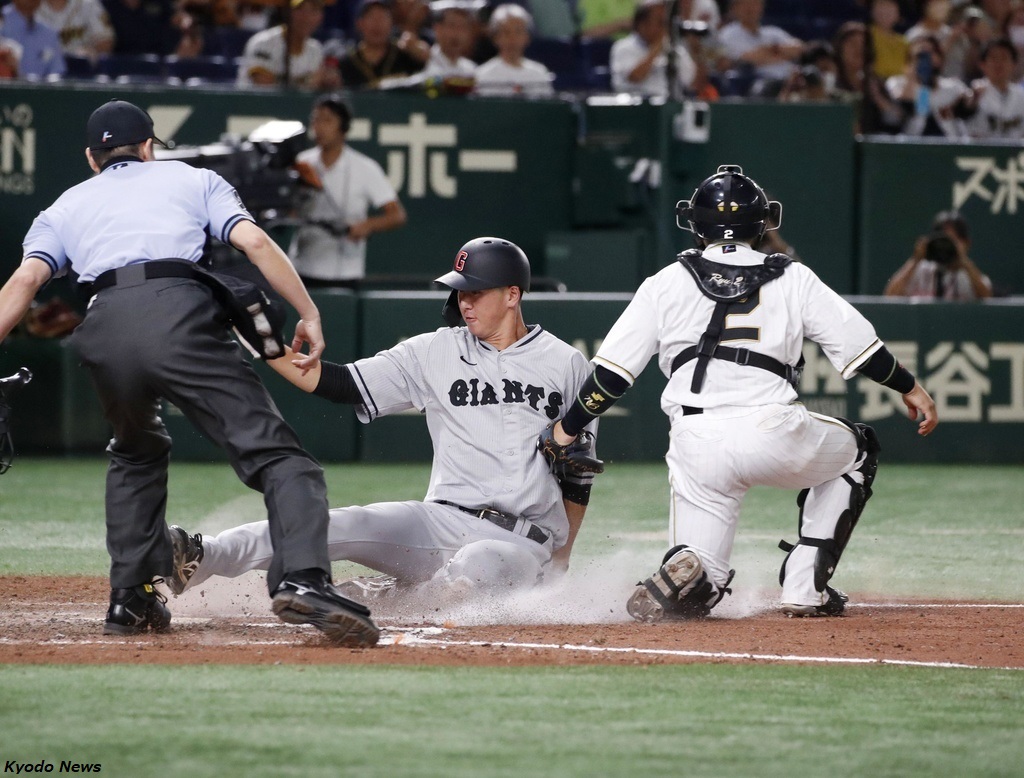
column 660, row 592
column 188, row 554
column 312, row 599
column 834, row 606
column 133, row 611
column 369, row 587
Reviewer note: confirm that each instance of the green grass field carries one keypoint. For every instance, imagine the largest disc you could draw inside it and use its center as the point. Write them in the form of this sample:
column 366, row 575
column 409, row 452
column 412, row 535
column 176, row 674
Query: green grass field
column 930, row 531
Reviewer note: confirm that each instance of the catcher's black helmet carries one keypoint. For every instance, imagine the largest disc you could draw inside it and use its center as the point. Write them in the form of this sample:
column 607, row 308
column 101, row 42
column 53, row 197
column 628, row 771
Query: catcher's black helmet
column 488, row 263
column 729, row 206
column 483, row 263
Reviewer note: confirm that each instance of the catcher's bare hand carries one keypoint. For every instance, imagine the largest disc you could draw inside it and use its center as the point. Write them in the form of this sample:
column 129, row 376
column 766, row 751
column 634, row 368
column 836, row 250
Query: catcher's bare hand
column 920, row 403
column 573, row 459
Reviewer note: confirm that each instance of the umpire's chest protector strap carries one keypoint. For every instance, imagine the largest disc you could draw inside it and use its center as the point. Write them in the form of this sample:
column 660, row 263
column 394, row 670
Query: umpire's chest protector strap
column 728, row 285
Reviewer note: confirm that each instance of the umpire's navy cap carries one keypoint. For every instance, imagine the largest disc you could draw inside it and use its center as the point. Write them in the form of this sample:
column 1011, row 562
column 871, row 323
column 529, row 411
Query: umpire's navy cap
column 118, row 123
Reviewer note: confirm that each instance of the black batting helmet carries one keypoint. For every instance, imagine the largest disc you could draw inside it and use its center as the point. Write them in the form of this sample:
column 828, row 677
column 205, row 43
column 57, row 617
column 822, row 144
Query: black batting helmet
column 729, row 206
column 484, row 263
column 487, row 263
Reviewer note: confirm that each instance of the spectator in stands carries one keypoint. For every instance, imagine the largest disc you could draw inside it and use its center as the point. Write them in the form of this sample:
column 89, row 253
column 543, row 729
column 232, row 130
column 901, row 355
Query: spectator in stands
column 857, row 82
column 745, row 44
column 640, row 62
column 511, row 73
column 1015, row 34
column 263, row 61
column 454, row 36
column 934, row 21
column 888, row 47
column 341, row 187
column 41, row 54
column 933, row 105
column 412, row 20
column 82, row 25
column 614, row 18
column 376, row 56
column 999, row 13
column 940, row 268
column 972, row 31
column 141, row 26
column 997, row 101
column 10, row 55
column 814, row 79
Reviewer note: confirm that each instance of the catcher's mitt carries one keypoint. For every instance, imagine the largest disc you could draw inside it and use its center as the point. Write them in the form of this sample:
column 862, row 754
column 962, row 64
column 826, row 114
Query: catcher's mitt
column 576, row 459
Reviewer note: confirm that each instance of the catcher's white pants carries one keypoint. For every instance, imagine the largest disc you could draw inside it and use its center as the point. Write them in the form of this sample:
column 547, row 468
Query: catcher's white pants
column 413, row 541
column 715, row 457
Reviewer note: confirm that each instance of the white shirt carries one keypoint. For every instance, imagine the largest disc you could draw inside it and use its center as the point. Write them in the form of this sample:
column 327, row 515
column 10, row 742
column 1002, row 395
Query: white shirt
column 925, row 282
column 498, row 77
column 501, row 400
column 266, row 49
column 735, row 40
column 670, row 313
column 135, row 211
column 351, row 186
column 81, row 24
column 1000, row 114
column 439, row 66
column 944, row 94
column 630, row 51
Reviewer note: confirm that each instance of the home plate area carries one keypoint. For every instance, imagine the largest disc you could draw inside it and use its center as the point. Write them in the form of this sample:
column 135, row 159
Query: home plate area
column 58, row 620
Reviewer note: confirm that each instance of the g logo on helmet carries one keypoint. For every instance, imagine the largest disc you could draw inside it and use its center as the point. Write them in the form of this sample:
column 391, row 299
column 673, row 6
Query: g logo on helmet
column 460, row 260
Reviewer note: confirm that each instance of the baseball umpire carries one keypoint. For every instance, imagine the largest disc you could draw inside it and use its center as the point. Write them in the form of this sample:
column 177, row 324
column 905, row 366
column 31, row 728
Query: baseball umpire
column 728, row 324
column 133, row 233
column 497, row 513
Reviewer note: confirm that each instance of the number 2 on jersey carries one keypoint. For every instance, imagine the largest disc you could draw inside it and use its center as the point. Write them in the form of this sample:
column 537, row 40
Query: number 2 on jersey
column 744, row 307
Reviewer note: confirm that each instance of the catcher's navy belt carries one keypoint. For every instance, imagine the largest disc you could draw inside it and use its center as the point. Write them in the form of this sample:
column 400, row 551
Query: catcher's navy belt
column 506, row 521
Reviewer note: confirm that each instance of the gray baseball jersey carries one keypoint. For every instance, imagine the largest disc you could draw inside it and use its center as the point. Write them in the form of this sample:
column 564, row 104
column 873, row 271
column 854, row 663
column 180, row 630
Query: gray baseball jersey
column 484, row 410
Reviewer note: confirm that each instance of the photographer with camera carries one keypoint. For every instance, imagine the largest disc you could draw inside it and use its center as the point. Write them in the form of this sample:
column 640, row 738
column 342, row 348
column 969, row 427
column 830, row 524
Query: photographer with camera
column 940, row 267
column 340, row 186
column 639, row 62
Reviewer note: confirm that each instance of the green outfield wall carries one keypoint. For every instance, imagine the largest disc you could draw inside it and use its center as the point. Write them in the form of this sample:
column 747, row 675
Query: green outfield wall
column 969, row 356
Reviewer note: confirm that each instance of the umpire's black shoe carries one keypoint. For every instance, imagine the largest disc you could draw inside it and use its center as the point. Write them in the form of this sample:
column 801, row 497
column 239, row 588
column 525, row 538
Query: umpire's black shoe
column 133, row 611
column 309, row 597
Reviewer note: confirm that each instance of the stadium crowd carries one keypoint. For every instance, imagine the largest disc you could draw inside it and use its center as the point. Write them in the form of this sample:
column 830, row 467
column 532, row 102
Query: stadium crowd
column 942, row 68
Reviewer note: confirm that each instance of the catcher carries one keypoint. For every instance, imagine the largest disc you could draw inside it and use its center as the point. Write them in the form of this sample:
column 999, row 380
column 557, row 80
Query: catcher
column 498, row 513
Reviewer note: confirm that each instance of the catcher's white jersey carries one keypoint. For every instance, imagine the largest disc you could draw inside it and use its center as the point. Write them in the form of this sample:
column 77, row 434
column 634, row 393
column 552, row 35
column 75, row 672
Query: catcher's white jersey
column 499, row 400
column 669, row 313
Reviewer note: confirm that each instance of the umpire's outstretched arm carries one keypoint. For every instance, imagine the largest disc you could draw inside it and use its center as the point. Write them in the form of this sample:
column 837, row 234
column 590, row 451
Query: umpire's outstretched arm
column 19, row 291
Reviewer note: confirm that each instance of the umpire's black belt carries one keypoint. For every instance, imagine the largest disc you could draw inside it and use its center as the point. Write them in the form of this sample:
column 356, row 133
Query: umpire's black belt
column 506, row 521
column 132, row 275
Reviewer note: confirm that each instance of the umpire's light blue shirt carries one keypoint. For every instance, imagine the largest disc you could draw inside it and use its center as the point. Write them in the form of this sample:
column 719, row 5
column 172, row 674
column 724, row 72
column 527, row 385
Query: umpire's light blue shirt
column 132, row 212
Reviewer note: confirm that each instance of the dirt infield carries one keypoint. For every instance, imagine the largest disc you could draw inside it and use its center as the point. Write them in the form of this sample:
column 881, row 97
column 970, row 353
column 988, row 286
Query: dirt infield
column 58, row 621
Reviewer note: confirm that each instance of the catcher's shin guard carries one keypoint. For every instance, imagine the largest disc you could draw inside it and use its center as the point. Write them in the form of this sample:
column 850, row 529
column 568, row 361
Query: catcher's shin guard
column 679, row 590
column 831, row 541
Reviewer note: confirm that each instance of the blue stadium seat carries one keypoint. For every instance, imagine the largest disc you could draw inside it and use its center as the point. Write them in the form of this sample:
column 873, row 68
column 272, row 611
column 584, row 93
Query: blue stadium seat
column 209, row 69
column 562, row 57
column 596, row 52
column 130, row 68
column 79, row 67
column 229, row 41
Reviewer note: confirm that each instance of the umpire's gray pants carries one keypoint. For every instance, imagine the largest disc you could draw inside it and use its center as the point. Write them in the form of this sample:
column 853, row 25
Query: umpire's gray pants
column 164, row 338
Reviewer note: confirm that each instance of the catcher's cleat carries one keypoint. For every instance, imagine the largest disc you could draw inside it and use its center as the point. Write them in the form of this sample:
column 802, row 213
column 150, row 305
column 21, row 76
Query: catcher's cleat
column 310, row 598
column 665, row 594
column 188, row 554
column 835, row 605
column 369, row 587
column 133, row 611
